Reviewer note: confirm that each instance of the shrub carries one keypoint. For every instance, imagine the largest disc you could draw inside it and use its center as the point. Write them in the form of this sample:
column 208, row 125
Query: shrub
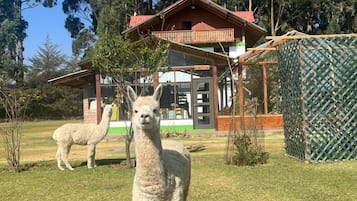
column 247, row 153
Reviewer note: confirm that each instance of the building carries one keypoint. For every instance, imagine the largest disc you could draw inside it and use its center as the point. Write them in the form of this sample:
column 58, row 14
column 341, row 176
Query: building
column 205, row 40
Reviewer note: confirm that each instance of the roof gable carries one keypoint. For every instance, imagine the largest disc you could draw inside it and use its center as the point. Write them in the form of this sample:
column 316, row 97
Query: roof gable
column 242, row 19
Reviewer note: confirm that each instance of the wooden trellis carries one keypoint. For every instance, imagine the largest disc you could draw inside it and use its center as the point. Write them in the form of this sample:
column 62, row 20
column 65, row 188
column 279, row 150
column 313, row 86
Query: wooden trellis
column 319, row 97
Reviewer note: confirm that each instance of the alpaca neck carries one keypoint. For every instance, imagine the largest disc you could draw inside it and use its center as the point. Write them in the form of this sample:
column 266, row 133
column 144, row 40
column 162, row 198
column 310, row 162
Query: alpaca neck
column 103, row 127
column 149, row 165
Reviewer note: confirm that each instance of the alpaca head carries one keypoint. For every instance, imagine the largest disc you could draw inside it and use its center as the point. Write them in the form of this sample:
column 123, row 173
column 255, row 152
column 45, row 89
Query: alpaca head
column 107, row 111
column 145, row 109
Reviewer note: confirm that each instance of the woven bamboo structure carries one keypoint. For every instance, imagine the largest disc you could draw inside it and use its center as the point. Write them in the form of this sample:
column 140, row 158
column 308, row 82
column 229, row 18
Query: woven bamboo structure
column 319, row 97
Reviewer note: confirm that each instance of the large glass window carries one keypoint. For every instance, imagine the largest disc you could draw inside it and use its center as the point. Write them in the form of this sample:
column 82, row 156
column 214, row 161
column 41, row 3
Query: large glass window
column 176, row 103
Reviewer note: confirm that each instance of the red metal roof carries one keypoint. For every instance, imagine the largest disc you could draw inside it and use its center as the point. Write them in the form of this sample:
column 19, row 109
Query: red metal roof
column 247, row 15
column 135, row 20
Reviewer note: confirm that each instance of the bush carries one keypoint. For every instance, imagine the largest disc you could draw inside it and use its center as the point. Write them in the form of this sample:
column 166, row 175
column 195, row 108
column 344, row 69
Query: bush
column 247, row 153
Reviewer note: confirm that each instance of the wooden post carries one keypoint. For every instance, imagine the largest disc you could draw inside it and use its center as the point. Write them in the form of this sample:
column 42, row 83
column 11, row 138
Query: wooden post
column 225, row 93
column 98, row 94
column 215, row 94
column 265, row 87
column 241, row 94
column 156, row 79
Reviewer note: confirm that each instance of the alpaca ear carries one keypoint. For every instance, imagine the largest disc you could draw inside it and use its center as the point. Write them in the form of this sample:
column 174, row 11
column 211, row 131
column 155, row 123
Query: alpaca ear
column 131, row 94
column 158, row 92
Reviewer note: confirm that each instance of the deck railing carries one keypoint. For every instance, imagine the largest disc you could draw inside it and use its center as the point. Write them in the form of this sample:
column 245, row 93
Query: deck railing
column 195, row 37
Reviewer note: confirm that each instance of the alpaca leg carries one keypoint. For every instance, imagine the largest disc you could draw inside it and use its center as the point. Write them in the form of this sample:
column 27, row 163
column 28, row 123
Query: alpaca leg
column 65, row 153
column 91, row 156
column 179, row 192
column 58, row 157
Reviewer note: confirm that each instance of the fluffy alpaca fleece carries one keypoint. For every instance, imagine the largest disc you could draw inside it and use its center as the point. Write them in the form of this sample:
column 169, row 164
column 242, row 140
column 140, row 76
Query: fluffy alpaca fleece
column 81, row 134
column 163, row 170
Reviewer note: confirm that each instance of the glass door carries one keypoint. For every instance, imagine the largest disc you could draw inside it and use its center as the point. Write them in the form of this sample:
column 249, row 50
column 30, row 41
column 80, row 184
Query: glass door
column 203, row 110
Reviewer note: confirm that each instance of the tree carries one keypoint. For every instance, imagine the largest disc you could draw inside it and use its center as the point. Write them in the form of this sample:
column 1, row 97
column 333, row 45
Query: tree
column 114, row 16
column 81, row 22
column 12, row 33
column 85, row 17
column 235, row 5
column 14, row 101
column 115, row 55
column 313, row 17
column 47, row 63
column 163, row 4
column 53, row 102
column 120, row 58
column 83, row 44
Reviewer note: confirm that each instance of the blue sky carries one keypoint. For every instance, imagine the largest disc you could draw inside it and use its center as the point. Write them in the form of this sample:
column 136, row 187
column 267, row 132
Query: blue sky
column 42, row 22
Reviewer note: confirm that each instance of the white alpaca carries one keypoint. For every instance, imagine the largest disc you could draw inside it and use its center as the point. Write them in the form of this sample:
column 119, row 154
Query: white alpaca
column 81, row 134
column 163, row 171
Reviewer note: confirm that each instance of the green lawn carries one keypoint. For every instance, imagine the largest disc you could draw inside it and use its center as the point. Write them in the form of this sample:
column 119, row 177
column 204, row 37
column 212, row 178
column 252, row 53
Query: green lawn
column 164, row 129
column 283, row 178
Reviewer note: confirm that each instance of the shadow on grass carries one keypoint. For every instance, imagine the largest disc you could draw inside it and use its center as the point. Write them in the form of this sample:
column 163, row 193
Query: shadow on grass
column 27, row 166
column 113, row 163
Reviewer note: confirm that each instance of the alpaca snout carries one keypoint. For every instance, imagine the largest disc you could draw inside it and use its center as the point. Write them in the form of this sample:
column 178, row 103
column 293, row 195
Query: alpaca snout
column 144, row 116
column 145, row 119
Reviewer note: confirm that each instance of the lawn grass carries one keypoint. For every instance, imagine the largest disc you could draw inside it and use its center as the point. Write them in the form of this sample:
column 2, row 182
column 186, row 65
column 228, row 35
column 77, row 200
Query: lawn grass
column 164, row 129
column 283, row 178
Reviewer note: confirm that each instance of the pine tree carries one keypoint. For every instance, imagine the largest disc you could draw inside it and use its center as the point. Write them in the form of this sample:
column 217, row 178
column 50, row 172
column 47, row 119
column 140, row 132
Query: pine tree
column 47, row 63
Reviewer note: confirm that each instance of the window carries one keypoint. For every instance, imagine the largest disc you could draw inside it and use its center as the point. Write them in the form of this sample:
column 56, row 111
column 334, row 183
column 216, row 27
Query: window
column 187, row 25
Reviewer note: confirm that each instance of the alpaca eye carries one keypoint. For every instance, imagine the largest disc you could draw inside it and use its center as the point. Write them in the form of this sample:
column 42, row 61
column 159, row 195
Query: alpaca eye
column 155, row 110
column 135, row 111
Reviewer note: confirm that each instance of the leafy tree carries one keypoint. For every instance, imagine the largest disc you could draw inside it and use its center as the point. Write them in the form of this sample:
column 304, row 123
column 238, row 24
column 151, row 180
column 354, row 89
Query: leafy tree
column 83, row 44
column 12, row 33
column 163, row 4
column 118, row 57
column 72, row 64
column 85, row 17
column 54, row 102
column 81, row 22
column 308, row 16
column 80, row 13
column 114, row 16
column 115, row 55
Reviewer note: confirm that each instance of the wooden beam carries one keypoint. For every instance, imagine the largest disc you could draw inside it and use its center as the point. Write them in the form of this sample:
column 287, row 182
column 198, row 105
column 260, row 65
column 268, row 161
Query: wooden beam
column 261, row 49
column 261, row 63
column 310, row 36
column 268, row 62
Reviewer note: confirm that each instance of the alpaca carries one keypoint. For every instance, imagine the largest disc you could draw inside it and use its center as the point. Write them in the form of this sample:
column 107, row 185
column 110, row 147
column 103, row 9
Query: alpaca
column 163, row 170
column 81, row 134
